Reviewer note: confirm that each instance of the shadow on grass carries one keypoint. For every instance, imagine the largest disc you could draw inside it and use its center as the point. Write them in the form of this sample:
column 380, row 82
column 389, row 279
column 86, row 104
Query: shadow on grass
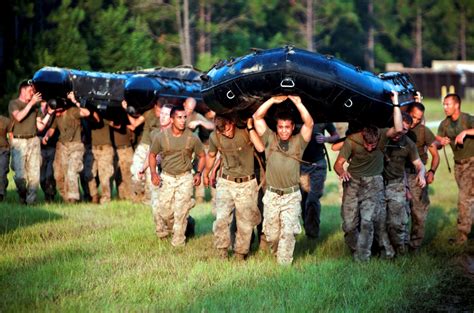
column 203, row 224
column 15, row 215
column 438, row 219
column 41, row 281
column 330, row 224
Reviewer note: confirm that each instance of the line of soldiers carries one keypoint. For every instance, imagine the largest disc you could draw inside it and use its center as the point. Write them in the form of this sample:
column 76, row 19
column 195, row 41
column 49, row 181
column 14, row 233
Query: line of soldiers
column 385, row 167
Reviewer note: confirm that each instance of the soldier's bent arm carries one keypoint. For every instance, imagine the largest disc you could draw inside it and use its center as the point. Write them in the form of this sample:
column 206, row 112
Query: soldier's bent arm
column 420, row 172
column 155, row 178
column 433, row 149
column 42, row 122
column 397, row 117
column 19, row 115
column 339, row 168
column 307, row 128
column 460, row 137
column 259, row 115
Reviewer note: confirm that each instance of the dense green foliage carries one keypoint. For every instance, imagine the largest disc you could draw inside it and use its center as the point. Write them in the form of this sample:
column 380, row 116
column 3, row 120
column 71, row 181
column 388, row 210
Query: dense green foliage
column 112, row 35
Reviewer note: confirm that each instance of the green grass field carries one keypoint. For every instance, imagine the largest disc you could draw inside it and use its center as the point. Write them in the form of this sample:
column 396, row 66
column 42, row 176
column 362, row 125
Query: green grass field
column 84, row 257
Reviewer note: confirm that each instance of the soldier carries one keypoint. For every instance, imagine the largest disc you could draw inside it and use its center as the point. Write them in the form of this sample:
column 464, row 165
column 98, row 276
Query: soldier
column 4, row 156
column 313, row 176
column 362, row 207
column 398, row 151
column 48, row 151
column 237, row 186
column 419, row 198
column 68, row 161
column 176, row 145
column 457, row 130
column 122, row 142
column 103, row 162
column 25, row 145
column 151, row 120
column 201, row 126
column 283, row 152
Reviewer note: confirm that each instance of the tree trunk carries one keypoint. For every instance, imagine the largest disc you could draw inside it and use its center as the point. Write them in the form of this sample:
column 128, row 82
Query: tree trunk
column 417, row 60
column 462, row 34
column 369, row 50
column 309, row 25
column 208, row 27
column 187, row 35
column 183, row 31
column 202, row 29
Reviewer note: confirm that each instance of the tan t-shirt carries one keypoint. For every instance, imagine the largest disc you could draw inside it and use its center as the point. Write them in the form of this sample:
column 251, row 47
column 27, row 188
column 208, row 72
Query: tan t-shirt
column 4, row 125
column 363, row 163
column 69, row 125
column 283, row 171
column 151, row 123
column 237, row 153
column 176, row 152
column 27, row 127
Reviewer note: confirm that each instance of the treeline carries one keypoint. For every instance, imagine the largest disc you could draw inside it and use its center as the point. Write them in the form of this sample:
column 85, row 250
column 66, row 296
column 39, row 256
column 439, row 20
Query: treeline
column 114, row 35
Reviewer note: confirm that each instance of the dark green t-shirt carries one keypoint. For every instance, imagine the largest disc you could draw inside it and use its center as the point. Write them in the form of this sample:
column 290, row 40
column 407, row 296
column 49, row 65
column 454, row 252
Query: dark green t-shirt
column 237, row 153
column 176, row 152
column 363, row 163
column 69, row 125
column 27, row 127
column 151, row 123
column 397, row 154
column 449, row 128
column 423, row 138
column 283, row 171
column 4, row 125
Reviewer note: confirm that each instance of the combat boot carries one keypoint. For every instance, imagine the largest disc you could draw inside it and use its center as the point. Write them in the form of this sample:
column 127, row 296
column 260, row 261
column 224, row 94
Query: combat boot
column 95, row 199
column 239, row 257
column 222, row 253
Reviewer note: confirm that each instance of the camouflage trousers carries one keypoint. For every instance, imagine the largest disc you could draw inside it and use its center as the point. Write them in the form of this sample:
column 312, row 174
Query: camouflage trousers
column 68, row 163
column 4, row 169
column 418, row 210
column 174, row 203
column 242, row 197
column 122, row 172
column 26, row 163
column 102, row 167
column 397, row 214
column 312, row 180
column 464, row 173
column 363, row 213
column 143, row 189
column 48, row 184
column 281, row 223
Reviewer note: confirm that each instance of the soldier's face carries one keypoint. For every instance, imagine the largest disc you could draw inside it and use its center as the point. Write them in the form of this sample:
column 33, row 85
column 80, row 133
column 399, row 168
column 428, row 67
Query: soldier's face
column 27, row 93
column 370, row 146
column 417, row 116
column 450, row 106
column 285, row 129
column 165, row 119
column 405, row 129
column 178, row 120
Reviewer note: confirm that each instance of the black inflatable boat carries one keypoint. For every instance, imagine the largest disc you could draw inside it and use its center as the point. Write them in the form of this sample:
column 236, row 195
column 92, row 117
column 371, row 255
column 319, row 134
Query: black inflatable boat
column 331, row 89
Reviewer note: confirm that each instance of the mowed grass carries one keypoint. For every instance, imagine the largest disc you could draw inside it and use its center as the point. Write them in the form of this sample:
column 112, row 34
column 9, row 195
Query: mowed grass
column 84, row 257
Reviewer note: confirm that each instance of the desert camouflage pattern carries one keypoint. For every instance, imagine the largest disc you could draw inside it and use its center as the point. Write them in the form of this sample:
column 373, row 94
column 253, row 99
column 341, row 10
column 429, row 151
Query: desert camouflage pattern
column 419, row 205
column 68, row 163
column 174, row 203
column 4, row 169
column 243, row 198
column 141, row 187
column 125, row 157
column 464, row 174
column 281, row 223
column 103, row 167
column 26, row 163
